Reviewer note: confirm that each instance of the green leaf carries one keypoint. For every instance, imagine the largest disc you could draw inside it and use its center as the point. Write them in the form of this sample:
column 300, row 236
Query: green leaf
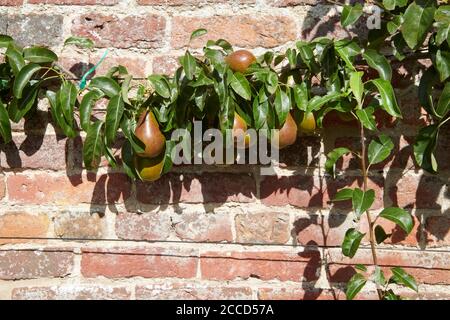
column 86, row 106
column 161, row 85
column 125, row 88
column 128, row 160
column 362, row 201
column 361, row 267
column 168, row 157
column 350, row 14
column 443, row 106
column 80, row 42
column 380, row 150
column 18, row 108
column 114, row 112
column 390, row 295
column 282, row 105
column 301, row 96
column 23, row 78
column 307, row 55
column 379, row 63
column 5, row 125
column 380, row 234
column 401, row 277
column 240, row 85
column 429, row 79
column 418, row 19
column 15, row 58
column 344, row 194
column 225, row 45
column 121, row 70
column 347, row 50
column 391, row 4
column 5, row 40
column 260, row 110
column 355, row 284
column 351, row 242
column 272, row 82
column 401, row 217
column 107, row 85
column 93, row 145
column 188, row 62
column 39, row 55
column 68, row 97
column 198, row 33
column 388, row 100
column 395, row 24
column 128, row 126
column 367, row 118
column 357, row 86
column 442, row 14
column 109, row 155
column 378, row 276
column 442, row 33
column 333, row 157
column 424, row 148
column 57, row 115
column 318, row 101
column 443, row 64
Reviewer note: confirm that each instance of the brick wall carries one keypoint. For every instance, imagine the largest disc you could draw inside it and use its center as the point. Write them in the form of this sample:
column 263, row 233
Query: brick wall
column 135, row 229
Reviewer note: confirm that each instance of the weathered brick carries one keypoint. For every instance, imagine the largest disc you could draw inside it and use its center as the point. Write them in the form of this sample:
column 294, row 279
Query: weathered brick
column 34, row 152
column 11, row 2
column 305, row 152
column 203, row 227
column 43, row 188
column 79, row 224
column 34, row 29
column 292, row 3
column 27, row 264
column 266, row 227
column 165, row 65
column 72, row 292
column 2, row 186
column 22, row 224
column 147, row 226
column 75, row 2
column 296, row 293
column 147, row 263
column 261, row 265
column 437, row 231
column 421, row 192
column 243, row 31
column 191, row 291
column 322, row 230
column 197, row 3
column 136, row 65
column 144, row 31
column 197, row 188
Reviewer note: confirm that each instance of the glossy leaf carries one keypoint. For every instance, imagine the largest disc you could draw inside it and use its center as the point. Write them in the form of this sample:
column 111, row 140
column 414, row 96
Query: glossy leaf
column 127, row 156
column 443, row 64
column 418, row 19
column 344, row 194
column 379, row 63
column 240, row 85
column 388, row 100
column 188, row 62
column 357, row 86
column 282, row 105
column 443, row 106
column 378, row 276
column 301, row 96
column 161, row 85
column 23, row 78
column 400, row 276
column 351, row 242
column 86, row 106
column 391, row 4
column 380, row 234
column 350, row 14
column 198, row 33
column 114, row 112
column 367, row 118
column 57, row 114
column 39, row 55
column 362, row 201
column 260, row 111
column 80, row 42
column 424, row 148
column 68, row 97
column 107, row 85
column 15, row 58
column 380, row 149
column 5, row 40
column 347, row 50
column 354, row 286
column 5, row 125
column 361, row 267
column 318, row 101
column 93, row 145
column 400, row 217
column 333, row 157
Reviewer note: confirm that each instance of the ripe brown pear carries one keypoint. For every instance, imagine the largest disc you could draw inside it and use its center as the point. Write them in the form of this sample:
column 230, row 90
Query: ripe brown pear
column 240, row 60
column 240, row 129
column 287, row 135
column 308, row 123
column 147, row 130
column 149, row 169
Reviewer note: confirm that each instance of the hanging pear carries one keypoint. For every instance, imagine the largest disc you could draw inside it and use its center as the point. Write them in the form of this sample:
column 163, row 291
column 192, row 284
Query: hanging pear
column 149, row 169
column 240, row 60
column 287, row 135
column 147, row 130
column 308, row 123
column 240, row 129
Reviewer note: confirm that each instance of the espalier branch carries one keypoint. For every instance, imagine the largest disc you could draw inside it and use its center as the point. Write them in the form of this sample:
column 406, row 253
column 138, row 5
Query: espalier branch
column 234, row 90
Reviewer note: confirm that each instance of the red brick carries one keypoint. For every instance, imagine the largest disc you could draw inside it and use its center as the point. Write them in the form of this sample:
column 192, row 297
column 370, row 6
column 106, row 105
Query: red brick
column 22, row 224
column 243, row 31
column 27, row 264
column 197, row 188
column 292, row 3
column 165, row 65
column 147, row 263
column 322, row 230
column 43, row 188
column 34, row 152
column 191, row 291
column 412, row 112
column 11, row 2
column 147, row 226
column 437, row 231
column 72, row 292
column 296, row 293
column 267, row 227
column 145, row 32
column 196, row 3
column 75, row 2
column 261, row 265
column 136, row 65
column 2, row 186
column 214, row 227
column 422, row 192
column 79, row 224
column 305, row 152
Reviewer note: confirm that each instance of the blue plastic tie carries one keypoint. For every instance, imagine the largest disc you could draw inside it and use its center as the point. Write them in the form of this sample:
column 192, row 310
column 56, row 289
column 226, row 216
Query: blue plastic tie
column 83, row 81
